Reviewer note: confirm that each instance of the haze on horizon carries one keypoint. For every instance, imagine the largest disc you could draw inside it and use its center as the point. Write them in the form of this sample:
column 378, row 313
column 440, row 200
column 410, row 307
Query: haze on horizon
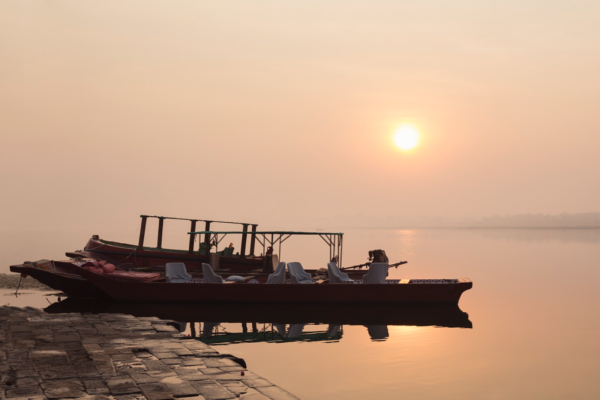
column 280, row 112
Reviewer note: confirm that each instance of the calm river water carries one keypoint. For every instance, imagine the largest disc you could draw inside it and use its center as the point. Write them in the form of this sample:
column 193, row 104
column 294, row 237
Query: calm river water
column 528, row 329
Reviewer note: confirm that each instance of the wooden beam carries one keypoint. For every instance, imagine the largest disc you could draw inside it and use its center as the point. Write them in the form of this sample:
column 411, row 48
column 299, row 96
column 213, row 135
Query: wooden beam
column 207, row 237
column 161, row 221
column 253, row 239
column 244, row 236
column 142, row 232
column 193, row 229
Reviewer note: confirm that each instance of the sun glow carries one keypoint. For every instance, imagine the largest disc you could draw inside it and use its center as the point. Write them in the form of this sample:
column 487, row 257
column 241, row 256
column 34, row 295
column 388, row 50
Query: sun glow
column 406, row 137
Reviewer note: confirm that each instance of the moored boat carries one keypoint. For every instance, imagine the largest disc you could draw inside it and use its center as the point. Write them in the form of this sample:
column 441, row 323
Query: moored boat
column 53, row 274
column 142, row 256
column 409, row 291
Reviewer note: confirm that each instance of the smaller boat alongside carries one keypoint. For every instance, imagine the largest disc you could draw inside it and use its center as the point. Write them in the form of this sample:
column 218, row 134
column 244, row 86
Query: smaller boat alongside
column 53, row 274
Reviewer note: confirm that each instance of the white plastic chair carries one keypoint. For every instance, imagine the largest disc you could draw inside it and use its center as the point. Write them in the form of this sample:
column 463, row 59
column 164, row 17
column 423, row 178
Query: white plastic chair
column 377, row 273
column 337, row 276
column 209, row 275
column 176, row 273
column 279, row 275
column 297, row 273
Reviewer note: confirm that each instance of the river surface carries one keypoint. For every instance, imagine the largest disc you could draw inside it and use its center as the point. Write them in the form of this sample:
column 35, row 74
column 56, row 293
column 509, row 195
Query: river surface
column 528, row 329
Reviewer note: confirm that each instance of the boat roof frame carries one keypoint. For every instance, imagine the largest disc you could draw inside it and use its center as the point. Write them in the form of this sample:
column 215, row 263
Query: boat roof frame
column 161, row 221
column 334, row 240
column 198, row 220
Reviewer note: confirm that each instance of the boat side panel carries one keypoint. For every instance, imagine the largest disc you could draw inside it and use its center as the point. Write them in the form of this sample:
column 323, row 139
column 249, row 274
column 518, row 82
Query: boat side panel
column 324, row 293
column 151, row 258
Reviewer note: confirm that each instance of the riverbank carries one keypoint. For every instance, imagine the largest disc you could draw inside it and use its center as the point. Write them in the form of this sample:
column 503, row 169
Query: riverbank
column 116, row 357
column 11, row 281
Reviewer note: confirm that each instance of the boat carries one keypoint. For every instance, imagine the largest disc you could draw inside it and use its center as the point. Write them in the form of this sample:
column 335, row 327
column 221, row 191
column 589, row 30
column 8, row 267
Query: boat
column 53, row 274
column 141, row 256
column 403, row 291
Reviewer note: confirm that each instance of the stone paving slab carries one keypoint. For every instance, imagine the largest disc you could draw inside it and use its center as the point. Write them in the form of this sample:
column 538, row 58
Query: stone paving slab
column 115, row 357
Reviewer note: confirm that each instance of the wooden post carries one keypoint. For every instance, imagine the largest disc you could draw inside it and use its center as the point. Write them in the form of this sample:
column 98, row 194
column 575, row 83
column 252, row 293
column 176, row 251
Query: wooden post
column 207, row 237
column 161, row 221
column 192, row 236
column 244, row 235
column 253, row 239
column 142, row 232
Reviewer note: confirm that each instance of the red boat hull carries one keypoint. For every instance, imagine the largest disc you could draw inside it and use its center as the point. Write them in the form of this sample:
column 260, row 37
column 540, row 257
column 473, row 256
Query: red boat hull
column 284, row 293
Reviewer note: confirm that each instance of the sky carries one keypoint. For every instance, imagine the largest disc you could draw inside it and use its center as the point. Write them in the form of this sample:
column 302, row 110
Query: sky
column 282, row 112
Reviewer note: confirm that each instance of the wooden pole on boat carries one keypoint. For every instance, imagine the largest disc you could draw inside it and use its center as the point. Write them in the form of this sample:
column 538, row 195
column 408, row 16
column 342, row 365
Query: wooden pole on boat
column 207, row 237
column 192, row 236
column 142, row 232
column 161, row 221
column 244, row 235
column 253, row 239
column 341, row 249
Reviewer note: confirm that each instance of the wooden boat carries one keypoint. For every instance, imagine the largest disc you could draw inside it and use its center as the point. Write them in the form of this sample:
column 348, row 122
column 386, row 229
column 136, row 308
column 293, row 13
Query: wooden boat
column 447, row 291
column 130, row 257
column 141, row 256
column 53, row 274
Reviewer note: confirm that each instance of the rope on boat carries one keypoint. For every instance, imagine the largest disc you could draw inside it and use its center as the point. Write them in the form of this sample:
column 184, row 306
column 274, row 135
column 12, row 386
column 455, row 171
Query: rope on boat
column 19, row 285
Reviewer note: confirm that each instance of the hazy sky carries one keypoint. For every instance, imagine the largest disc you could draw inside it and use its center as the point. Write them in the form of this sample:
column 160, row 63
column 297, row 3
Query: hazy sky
column 283, row 111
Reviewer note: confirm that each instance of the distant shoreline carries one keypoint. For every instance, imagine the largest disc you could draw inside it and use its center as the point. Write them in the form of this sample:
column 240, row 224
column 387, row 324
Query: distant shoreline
column 482, row 227
column 11, row 281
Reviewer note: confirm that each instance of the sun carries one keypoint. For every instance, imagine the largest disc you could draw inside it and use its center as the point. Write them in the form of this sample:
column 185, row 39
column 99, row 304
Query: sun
column 406, row 137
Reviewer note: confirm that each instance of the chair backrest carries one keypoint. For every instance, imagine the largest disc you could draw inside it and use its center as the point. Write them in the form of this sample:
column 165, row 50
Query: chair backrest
column 176, row 273
column 279, row 275
column 209, row 275
column 296, row 271
column 377, row 273
column 335, row 275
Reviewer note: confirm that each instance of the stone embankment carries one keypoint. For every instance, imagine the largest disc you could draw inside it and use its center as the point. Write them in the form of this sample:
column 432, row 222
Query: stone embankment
column 115, row 356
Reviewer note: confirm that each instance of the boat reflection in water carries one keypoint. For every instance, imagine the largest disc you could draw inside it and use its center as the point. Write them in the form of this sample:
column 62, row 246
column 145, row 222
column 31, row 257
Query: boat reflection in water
column 216, row 334
column 277, row 323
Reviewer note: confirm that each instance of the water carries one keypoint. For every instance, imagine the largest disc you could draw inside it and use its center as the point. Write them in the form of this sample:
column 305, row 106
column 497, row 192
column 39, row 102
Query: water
column 534, row 311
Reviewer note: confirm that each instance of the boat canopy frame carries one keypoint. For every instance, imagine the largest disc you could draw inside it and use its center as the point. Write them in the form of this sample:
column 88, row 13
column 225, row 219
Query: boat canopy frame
column 193, row 221
column 335, row 240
